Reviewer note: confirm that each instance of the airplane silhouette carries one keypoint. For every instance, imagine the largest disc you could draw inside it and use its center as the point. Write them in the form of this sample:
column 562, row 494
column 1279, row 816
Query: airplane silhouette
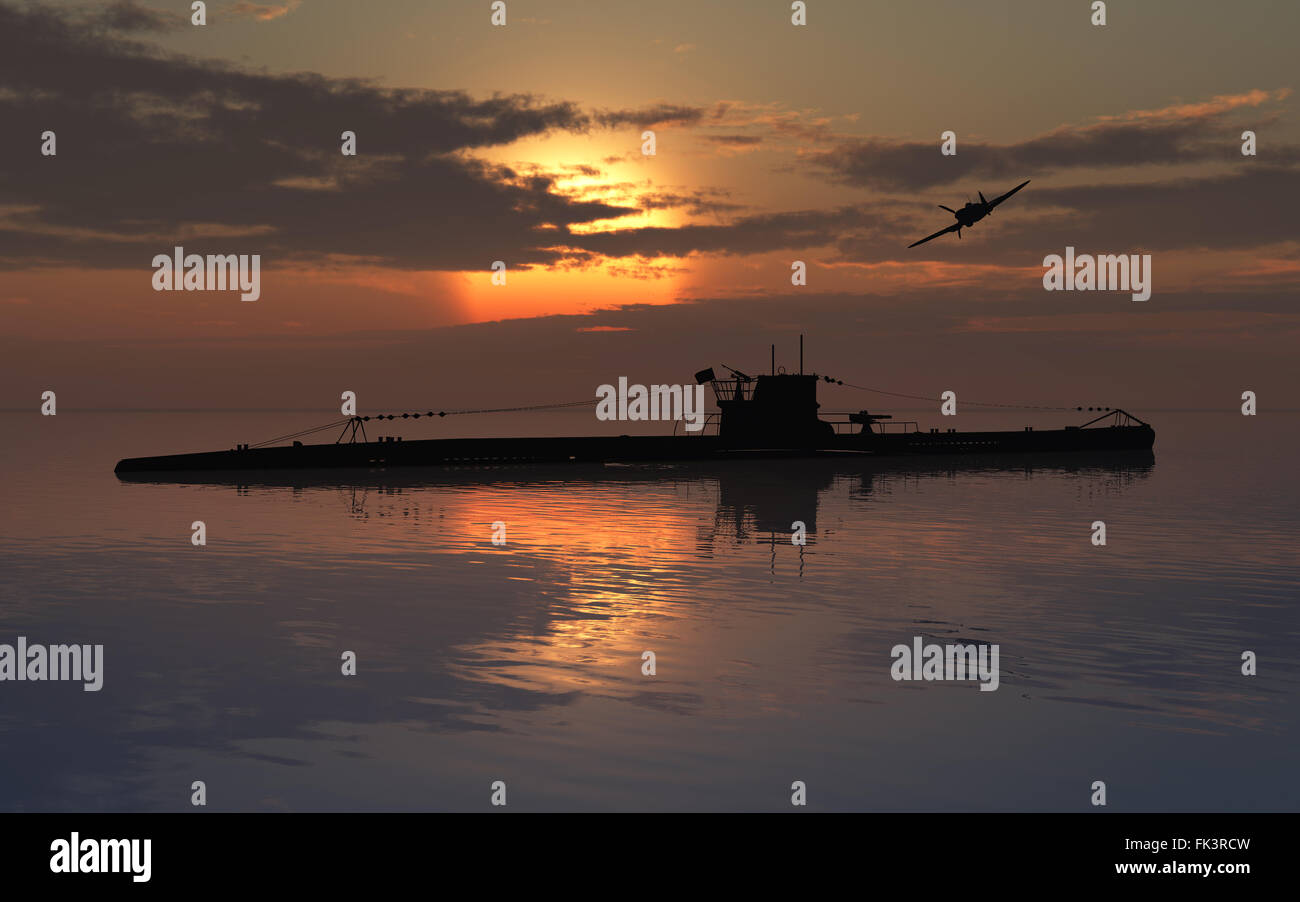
column 970, row 214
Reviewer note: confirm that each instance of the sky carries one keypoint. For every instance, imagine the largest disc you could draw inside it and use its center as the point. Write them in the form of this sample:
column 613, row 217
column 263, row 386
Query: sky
column 523, row 144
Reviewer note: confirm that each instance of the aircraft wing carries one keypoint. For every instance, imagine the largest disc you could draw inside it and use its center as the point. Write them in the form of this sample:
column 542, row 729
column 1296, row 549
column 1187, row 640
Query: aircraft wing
column 997, row 200
column 952, row 228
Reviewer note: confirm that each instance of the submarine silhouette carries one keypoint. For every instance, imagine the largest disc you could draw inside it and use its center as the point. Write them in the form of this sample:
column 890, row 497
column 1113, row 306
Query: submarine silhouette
column 767, row 416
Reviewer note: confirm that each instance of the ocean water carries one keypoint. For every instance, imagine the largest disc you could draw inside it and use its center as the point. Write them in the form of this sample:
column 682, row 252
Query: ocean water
column 522, row 662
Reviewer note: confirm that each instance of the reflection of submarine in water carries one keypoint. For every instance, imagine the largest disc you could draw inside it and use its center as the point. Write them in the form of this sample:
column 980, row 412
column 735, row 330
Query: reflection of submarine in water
column 769, row 416
column 757, row 501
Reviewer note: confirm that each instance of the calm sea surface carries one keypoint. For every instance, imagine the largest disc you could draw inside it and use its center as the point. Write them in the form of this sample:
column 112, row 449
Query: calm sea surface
column 522, row 662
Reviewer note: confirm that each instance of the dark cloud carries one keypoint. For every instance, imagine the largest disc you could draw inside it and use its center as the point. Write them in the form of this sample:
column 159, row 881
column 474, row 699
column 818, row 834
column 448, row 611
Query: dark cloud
column 150, row 145
column 698, row 202
column 662, row 114
column 1191, row 134
column 130, row 15
column 735, row 140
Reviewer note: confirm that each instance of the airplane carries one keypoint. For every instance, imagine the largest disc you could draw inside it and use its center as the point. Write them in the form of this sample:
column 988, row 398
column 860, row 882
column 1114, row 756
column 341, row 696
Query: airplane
column 970, row 214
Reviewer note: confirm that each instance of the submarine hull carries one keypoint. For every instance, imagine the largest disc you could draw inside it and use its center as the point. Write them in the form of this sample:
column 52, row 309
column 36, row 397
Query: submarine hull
column 633, row 449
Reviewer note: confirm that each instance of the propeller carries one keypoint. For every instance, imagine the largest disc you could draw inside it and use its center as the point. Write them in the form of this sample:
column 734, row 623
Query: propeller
column 949, row 209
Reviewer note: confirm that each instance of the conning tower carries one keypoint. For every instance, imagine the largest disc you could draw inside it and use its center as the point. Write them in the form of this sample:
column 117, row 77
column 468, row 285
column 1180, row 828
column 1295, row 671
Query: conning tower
column 776, row 410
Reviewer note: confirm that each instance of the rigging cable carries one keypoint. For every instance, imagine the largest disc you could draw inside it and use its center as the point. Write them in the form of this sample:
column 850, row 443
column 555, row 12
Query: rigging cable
column 447, row 413
column 895, row 394
column 415, row 416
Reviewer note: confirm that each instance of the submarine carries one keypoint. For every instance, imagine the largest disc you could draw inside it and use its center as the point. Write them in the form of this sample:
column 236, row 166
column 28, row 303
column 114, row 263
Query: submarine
column 775, row 415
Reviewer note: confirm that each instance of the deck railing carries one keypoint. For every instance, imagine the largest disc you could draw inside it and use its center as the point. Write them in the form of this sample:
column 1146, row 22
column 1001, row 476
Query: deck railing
column 725, row 389
column 840, row 422
column 846, row 425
